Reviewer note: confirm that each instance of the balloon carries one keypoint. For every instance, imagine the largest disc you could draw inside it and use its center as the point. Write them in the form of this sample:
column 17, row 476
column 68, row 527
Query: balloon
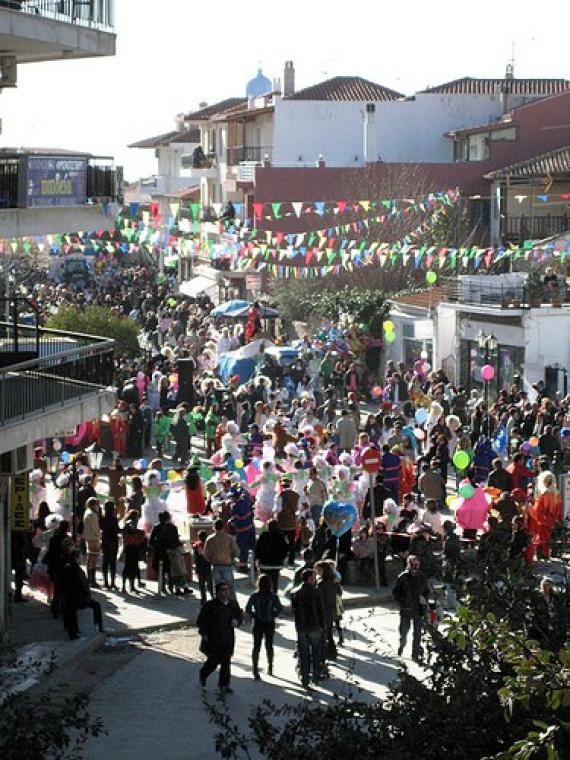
column 171, row 302
column 419, row 434
column 421, row 415
column 56, row 444
column 339, row 517
column 65, row 457
column 487, row 372
column 565, row 432
column 424, row 355
column 173, row 379
column 173, row 475
column 431, row 278
column 388, row 326
column 377, row 391
column 526, row 447
column 450, row 499
column 238, row 464
column 461, row 459
column 390, row 337
column 534, row 442
column 466, row 491
column 363, row 327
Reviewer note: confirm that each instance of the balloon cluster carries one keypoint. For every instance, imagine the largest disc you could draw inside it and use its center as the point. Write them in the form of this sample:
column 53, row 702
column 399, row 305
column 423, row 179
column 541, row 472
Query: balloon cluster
column 389, row 333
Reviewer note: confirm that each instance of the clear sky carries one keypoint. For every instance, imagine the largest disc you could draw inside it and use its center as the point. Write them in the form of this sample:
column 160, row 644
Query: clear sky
column 173, row 54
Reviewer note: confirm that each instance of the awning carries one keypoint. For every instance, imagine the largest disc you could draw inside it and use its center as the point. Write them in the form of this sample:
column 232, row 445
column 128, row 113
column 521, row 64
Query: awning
column 197, row 285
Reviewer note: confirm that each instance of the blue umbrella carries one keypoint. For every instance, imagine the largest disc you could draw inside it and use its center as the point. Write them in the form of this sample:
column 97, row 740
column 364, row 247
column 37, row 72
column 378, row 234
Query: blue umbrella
column 265, row 312
column 229, row 308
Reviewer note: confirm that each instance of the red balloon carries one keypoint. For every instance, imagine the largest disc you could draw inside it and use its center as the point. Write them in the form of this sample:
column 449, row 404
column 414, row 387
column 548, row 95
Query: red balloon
column 377, row 391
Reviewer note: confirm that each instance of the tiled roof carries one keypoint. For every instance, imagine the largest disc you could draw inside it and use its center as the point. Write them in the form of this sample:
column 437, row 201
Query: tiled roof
column 423, row 299
column 346, row 88
column 553, row 162
column 492, row 127
column 216, row 108
column 473, row 86
column 177, row 136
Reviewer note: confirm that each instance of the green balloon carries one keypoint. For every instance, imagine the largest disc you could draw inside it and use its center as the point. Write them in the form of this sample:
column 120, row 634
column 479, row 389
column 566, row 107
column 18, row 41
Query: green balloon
column 461, row 460
column 390, row 337
column 431, row 277
column 363, row 327
column 466, row 491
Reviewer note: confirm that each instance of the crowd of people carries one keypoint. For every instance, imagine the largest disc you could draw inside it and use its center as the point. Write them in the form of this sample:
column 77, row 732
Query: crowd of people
column 456, row 478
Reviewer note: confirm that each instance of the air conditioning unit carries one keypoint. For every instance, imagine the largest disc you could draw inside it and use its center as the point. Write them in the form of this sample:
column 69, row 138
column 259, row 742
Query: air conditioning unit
column 18, row 460
column 8, row 71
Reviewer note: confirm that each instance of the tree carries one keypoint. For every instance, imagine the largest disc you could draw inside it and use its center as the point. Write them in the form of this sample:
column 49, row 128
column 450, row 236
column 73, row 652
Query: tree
column 99, row 321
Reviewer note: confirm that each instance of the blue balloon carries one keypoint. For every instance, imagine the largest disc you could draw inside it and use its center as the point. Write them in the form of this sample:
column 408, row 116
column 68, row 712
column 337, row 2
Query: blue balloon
column 143, row 464
column 565, row 432
column 339, row 517
column 65, row 457
column 421, row 415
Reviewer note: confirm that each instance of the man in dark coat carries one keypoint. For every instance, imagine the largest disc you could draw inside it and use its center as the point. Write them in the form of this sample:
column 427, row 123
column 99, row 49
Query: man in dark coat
column 411, row 592
column 380, row 494
column 216, row 623
column 181, row 435
column 77, row 596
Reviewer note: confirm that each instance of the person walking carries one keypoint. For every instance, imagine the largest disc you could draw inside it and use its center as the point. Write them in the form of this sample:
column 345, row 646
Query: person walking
column 411, row 592
column 270, row 552
column 346, row 431
column 286, row 506
column 92, row 536
column 181, row 436
column 203, row 568
column 109, row 544
column 317, row 494
column 216, row 625
column 263, row 606
column 55, row 559
column 309, row 615
column 163, row 539
column 221, row 551
column 134, row 540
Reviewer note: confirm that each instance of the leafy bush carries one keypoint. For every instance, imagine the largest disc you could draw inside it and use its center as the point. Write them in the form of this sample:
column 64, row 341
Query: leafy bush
column 99, row 321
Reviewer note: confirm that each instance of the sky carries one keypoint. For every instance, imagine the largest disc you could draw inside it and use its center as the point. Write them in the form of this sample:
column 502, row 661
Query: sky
column 175, row 53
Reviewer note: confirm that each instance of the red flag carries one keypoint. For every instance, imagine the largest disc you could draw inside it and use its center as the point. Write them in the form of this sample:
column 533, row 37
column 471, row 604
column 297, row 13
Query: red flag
column 341, row 205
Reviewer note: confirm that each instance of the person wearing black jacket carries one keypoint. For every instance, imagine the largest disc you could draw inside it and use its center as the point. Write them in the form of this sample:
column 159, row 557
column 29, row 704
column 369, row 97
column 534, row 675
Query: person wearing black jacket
column 109, row 544
column 309, row 614
column 380, row 494
column 263, row 606
column 216, row 623
column 77, row 596
column 164, row 536
column 411, row 592
column 499, row 477
column 270, row 552
column 55, row 560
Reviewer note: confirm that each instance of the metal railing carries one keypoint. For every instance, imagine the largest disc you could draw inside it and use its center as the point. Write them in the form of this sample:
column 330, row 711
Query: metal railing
column 254, row 153
column 69, row 367
column 95, row 14
column 9, row 182
column 525, row 227
column 508, row 296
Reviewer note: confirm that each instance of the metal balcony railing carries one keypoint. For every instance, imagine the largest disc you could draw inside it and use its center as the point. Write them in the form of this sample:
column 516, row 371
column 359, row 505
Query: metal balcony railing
column 249, row 154
column 525, row 227
column 504, row 296
column 94, row 14
column 67, row 367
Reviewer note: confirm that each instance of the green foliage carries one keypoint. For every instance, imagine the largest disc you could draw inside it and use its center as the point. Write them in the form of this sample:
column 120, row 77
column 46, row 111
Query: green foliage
column 452, row 229
column 99, row 321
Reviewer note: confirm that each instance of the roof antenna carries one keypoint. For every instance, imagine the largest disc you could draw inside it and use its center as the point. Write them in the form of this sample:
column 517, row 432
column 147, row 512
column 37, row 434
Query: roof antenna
column 510, row 72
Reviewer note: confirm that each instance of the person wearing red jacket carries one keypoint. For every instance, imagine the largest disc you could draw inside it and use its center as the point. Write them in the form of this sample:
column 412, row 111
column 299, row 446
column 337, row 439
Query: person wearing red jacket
column 545, row 513
column 519, row 472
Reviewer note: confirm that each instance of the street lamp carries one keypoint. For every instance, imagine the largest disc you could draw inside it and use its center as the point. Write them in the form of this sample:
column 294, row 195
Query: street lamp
column 95, row 456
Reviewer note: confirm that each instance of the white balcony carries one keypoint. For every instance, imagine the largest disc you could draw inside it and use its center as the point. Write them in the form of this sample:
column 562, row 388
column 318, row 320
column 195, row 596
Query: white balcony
column 50, row 30
column 162, row 185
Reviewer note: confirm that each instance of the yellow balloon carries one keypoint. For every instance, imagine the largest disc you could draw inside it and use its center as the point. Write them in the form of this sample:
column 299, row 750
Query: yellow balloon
column 388, row 326
column 239, row 464
column 173, row 475
column 450, row 499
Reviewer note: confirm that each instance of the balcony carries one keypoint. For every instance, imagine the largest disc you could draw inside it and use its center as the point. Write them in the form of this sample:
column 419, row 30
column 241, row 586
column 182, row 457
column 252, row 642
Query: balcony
column 251, row 155
column 49, row 374
column 506, row 292
column 519, row 228
column 48, row 30
column 42, row 193
column 162, row 185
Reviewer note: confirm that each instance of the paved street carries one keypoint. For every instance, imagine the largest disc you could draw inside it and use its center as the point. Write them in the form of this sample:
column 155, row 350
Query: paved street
column 153, row 705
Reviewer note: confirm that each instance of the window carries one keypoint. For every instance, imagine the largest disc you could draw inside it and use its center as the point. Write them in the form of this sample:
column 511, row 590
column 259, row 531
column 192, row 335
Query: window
column 459, row 150
column 509, row 134
column 478, row 147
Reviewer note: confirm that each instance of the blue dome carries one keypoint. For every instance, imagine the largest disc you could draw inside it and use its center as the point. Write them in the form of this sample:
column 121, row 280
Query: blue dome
column 260, row 85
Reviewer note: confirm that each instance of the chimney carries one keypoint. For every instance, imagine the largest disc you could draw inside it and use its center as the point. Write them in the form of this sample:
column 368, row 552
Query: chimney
column 369, row 148
column 288, row 79
column 507, row 88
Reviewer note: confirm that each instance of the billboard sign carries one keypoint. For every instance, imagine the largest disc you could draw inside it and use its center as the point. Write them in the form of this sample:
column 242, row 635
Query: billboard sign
column 56, row 181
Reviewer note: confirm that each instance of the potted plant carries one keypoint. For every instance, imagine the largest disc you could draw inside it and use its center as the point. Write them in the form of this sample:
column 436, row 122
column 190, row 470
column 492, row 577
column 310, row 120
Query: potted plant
column 534, row 287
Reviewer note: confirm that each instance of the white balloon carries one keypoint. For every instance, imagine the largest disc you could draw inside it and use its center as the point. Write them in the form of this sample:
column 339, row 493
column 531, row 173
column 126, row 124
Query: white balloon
column 56, row 444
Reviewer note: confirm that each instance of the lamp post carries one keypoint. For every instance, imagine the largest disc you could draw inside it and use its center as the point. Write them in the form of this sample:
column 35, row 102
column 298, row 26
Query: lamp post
column 488, row 344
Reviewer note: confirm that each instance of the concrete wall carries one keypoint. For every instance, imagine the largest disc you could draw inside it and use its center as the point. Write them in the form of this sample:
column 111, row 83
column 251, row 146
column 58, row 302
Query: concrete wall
column 546, row 339
column 19, row 222
column 406, row 130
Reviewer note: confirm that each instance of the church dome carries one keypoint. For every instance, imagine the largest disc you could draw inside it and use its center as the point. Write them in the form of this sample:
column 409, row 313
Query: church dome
column 259, row 85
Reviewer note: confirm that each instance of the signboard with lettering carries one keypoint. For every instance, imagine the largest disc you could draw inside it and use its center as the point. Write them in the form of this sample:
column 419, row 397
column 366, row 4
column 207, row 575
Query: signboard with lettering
column 55, row 181
column 253, row 281
column 20, row 502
